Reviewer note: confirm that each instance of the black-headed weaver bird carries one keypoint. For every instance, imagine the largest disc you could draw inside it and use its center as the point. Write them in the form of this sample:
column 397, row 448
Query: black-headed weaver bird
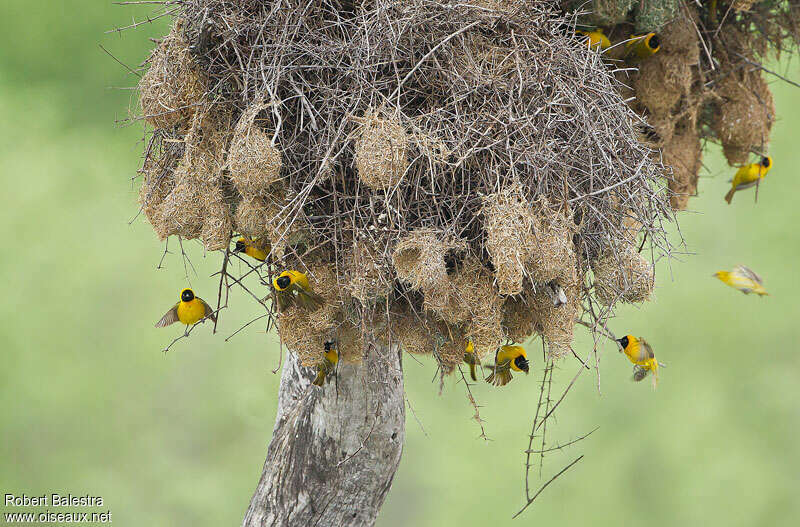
column 748, row 176
column 595, row 39
column 471, row 360
column 328, row 364
column 506, row 359
column 639, row 47
column 291, row 286
column 641, row 355
column 744, row 279
column 251, row 248
column 189, row 310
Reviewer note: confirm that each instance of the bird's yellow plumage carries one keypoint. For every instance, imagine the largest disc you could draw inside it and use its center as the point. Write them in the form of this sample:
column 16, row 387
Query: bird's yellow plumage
column 471, row 360
column 748, row 176
column 595, row 39
column 744, row 279
column 506, row 359
column 640, row 47
column 291, row 286
column 256, row 250
column 328, row 364
column 189, row 310
column 641, row 355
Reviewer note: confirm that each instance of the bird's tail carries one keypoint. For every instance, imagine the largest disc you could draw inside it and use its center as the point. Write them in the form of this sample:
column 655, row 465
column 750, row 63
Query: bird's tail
column 319, row 380
column 654, row 367
column 472, row 372
column 729, row 195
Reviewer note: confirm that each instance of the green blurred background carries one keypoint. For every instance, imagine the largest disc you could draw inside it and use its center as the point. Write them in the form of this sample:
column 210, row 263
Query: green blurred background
column 91, row 405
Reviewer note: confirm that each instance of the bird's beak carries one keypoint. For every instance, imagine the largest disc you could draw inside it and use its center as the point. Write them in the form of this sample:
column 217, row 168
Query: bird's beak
column 237, row 250
column 619, row 341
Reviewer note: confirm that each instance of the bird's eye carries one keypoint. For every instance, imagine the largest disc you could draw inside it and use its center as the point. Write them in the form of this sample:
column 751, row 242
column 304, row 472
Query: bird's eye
column 283, row 282
column 187, row 296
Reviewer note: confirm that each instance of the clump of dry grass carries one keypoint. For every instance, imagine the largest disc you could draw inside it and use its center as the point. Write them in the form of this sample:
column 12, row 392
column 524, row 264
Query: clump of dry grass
column 253, row 160
column 172, row 87
column 381, row 152
column 368, row 277
column 508, row 222
column 744, row 113
column 519, row 317
column 419, row 258
column 217, row 221
column 622, row 275
column 556, row 324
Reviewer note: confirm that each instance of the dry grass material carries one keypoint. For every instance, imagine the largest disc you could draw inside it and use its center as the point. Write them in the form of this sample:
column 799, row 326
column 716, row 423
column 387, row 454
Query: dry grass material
column 556, row 324
column 519, row 318
column 206, row 143
column 653, row 15
column 381, row 153
column 217, row 221
column 172, row 87
column 419, row 258
column 415, row 335
column 623, row 275
column 508, row 222
column 683, row 153
column 744, row 113
column 551, row 248
column 263, row 217
column 743, row 5
column 182, row 212
column 253, row 160
column 351, row 342
column 368, row 276
column 603, row 12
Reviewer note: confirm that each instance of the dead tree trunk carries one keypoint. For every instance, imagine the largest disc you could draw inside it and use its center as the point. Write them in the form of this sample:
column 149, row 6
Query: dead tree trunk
column 334, row 451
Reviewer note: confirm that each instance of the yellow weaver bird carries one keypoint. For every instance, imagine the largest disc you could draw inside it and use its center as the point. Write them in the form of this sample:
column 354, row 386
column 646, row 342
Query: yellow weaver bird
column 748, row 176
column 596, row 39
column 471, row 359
column 328, row 365
column 744, row 279
column 639, row 47
column 189, row 310
column 641, row 355
column 251, row 249
column 506, row 359
column 293, row 286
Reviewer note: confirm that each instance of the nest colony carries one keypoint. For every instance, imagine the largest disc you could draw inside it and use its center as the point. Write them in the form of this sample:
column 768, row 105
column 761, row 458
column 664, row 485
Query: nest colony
column 436, row 168
column 706, row 82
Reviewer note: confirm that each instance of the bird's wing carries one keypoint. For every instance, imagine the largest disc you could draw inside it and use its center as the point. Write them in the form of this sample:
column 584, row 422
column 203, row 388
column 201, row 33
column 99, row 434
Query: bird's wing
column 170, row 317
column 639, row 373
column 285, row 299
column 748, row 273
column 308, row 299
column 647, row 349
column 209, row 310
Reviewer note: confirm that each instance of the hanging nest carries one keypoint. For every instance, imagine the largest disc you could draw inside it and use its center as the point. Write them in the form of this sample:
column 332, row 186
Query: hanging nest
column 381, row 155
column 172, row 87
column 623, row 276
column 253, row 161
column 556, row 324
column 368, row 275
column 744, row 113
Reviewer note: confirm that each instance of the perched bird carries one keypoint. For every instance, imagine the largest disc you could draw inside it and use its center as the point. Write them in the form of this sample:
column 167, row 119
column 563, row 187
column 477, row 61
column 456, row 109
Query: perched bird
column 506, row 359
column 744, row 279
column 471, row 359
column 328, row 364
column 641, row 355
column 251, row 249
column 189, row 310
column 639, row 47
column 556, row 293
column 596, row 39
column 293, row 285
column 748, row 176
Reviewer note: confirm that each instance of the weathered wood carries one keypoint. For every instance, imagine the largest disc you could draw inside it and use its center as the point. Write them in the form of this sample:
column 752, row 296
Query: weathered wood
column 334, row 451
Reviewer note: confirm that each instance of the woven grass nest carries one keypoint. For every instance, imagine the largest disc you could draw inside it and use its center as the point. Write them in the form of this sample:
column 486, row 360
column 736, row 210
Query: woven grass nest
column 437, row 168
